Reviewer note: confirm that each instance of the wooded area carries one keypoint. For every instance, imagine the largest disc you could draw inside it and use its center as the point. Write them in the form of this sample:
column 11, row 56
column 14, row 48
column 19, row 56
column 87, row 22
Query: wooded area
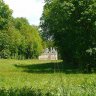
column 72, row 25
column 18, row 39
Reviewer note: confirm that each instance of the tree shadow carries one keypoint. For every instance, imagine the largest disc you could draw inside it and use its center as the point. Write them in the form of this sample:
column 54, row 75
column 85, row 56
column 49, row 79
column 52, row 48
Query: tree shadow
column 58, row 67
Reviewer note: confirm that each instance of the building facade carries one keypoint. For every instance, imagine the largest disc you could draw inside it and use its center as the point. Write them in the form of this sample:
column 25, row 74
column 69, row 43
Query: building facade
column 49, row 54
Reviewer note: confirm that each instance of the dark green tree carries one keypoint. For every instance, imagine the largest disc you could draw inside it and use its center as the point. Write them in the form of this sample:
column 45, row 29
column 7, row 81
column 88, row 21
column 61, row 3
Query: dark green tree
column 72, row 24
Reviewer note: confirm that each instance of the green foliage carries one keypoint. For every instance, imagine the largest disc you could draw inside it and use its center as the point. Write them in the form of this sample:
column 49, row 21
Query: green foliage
column 18, row 39
column 20, row 92
column 72, row 24
column 33, row 41
column 5, row 14
column 25, row 77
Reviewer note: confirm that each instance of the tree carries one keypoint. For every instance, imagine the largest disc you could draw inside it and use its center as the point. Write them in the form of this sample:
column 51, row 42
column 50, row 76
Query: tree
column 4, row 45
column 72, row 24
column 18, row 39
column 33, row 41
column 5, row 15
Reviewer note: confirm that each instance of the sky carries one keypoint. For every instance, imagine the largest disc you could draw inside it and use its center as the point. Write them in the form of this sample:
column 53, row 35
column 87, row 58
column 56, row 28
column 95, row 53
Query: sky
column 30, row 9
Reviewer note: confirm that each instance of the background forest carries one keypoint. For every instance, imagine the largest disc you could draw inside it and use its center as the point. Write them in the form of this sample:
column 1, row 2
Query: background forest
column 18, row 39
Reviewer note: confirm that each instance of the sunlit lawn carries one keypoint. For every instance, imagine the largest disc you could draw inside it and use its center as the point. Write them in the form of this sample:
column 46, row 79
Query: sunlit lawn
column 43, row 75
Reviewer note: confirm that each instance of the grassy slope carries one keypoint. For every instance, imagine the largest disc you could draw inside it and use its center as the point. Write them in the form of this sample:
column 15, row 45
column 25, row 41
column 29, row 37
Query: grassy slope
column 40, row 75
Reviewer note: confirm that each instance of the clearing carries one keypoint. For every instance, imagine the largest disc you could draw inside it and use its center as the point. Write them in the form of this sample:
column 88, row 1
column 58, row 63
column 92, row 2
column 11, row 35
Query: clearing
column 46, row 76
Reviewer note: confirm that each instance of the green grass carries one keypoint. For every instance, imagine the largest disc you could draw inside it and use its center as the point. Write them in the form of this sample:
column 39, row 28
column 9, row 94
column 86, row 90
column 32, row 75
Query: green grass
column 43, row 76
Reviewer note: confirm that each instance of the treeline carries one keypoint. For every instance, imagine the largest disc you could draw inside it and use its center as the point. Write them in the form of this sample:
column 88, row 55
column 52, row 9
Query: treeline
column 72, row 25
column 18, row 39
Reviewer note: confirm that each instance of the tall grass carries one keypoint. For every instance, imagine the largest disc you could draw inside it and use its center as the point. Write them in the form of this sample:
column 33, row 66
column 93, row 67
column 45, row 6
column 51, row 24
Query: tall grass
column 37, row 78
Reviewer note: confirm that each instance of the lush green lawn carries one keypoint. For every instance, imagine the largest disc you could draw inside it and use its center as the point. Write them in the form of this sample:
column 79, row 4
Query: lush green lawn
column 45, row 76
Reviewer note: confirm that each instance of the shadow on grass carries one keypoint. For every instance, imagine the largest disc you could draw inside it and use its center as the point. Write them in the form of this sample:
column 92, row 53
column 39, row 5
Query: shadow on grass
column 57, row 67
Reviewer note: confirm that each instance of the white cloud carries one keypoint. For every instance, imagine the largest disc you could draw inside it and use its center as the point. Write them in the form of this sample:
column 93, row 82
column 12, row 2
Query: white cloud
column 31, row 9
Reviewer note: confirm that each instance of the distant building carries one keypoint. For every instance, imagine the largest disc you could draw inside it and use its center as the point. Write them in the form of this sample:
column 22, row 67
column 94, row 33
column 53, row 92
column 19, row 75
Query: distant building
column 49, row 54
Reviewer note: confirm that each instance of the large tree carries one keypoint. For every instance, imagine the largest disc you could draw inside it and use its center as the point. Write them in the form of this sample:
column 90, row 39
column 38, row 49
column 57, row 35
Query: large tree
column 72, row 24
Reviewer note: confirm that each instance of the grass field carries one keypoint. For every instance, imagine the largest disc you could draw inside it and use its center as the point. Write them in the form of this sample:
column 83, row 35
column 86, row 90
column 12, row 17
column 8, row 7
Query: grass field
column 45, row 76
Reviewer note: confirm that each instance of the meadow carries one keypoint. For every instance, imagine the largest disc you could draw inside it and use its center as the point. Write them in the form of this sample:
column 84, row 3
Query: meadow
column 43, row 78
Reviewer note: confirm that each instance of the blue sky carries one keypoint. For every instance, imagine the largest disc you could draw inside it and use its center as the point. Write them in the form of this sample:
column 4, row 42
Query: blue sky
column 31, row 9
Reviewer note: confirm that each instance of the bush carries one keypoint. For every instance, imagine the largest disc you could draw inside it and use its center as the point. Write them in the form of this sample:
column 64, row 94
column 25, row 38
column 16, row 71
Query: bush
column 20, row 92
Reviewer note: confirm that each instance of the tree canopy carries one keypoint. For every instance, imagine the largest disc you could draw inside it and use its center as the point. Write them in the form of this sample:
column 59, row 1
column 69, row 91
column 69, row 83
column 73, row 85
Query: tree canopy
column 18, row 39
column 72, row 24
